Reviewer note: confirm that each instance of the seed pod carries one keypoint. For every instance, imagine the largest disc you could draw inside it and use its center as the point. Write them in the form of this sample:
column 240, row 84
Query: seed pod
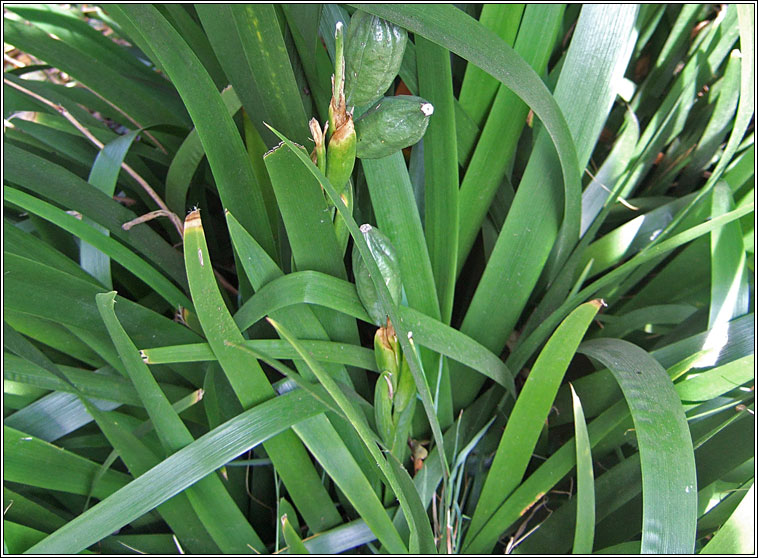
column 318, row 155
column 387, row 359
column 340, row 155
column 386, row 259
column 373, row 54
column 406, row 388
column 383, row 408
column 392, row 124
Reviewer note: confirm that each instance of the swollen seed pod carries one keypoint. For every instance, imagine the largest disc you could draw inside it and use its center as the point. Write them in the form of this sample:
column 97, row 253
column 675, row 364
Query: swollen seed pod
column 318, row 156
column 340, row 155
column 406, row 388
column 373, row 53
column 387, row 359
column 383, row 408
column 392, row 124
column 386, row 259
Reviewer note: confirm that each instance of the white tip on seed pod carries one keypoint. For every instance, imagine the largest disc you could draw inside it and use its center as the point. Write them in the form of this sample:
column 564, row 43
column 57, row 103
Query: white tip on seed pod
column 427, row 109
column 365, row 228
column 338, row 26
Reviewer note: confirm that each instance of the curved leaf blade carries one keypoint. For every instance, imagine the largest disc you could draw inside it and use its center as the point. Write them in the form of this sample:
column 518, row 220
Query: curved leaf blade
column 667, row 458
column 181, row 470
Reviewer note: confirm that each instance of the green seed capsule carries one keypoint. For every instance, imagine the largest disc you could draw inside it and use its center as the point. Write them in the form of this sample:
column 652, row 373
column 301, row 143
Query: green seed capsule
column 340, row 155
column 318, row 156
column 406, row 388
column 383, row 408
column 387, row 359
column 373, row 54
column 386, row 259
column 392, row 124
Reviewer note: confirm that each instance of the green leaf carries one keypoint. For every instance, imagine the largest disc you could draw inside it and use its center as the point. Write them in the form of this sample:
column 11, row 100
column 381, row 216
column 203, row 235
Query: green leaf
column 249, row 382
column 323, row 290
column 135, row 97
column 440, row 170
column 96, row 238
column 707, row 385
column 666, row 454
column 531, row 490
column 64, row 188
column 188, row 157
column 177, row 512
column 226, row 524
column 294, row 543
column 223, row 146
column 249, row 44
column 522, row 245
column 180, row 470
column 323, row 351
column 103, row 176
column 33, row 514
column 584, row 532
column 310, row 233
column 29, row 460
column 336, row 460
column 452, row 29
column 737, row 535
column 537, row 33
column 525, row 423
column 478, row 89
column 517, row 358
column 397, row 217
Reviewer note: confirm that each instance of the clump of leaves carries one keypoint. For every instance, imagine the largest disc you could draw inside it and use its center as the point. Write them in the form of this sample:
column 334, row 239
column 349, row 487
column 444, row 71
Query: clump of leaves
column 564, row 355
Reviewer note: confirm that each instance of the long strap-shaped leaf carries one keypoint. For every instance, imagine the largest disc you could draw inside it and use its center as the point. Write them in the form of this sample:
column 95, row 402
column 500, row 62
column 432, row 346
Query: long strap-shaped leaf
column 521, row 253
column 478, row 88
column 537, row 33
column 104, row 176
column 440, row 170
column 323, row 290
column 63, row 187
column 129, row 93
column 223, row 146
column 310, row 234
column 669, row 481
column 585, row 482
column 526, row 421
column 331, row 452
column 210, row 500
column 323, row 351
column 525, row 348
column 139, row 458
column 41, row 291
column 180, row 470
column 249, row 44
column 249, row 381
column 29, row 460
column 188, row 157
column 302, row 321
column 397, row 216
column 440, row 194
column 96, row 237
